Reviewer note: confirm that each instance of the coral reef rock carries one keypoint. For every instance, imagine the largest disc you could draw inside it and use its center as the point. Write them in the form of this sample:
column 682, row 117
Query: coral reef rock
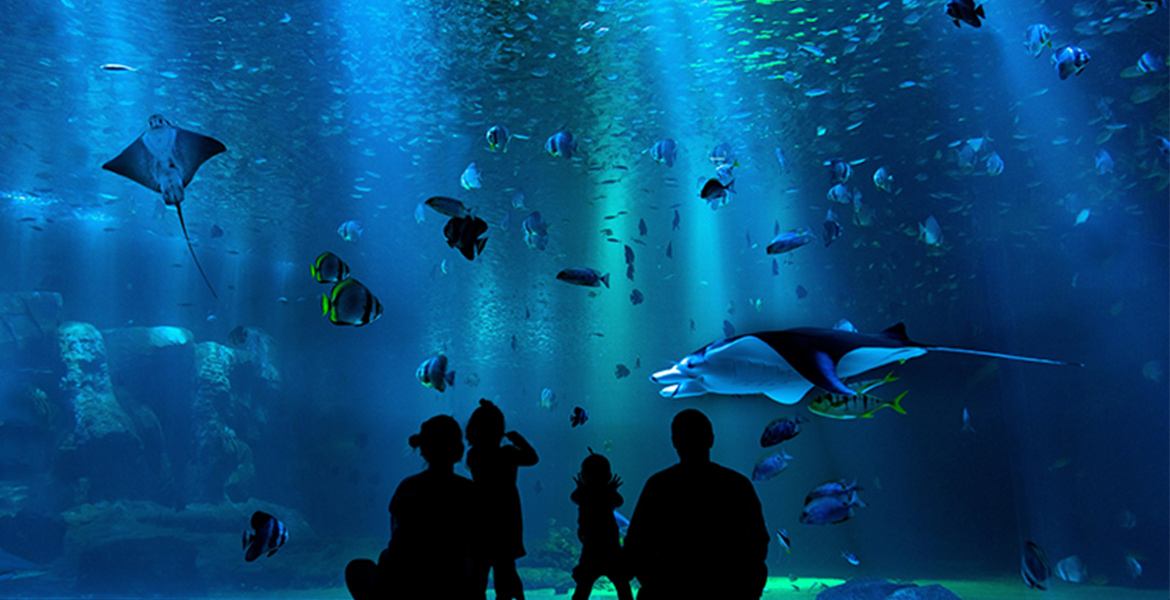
column 103, row 447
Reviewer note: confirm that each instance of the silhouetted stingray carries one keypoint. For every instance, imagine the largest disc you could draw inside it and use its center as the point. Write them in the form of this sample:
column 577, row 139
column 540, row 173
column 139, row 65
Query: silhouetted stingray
column 165, row 159
column 784, row 365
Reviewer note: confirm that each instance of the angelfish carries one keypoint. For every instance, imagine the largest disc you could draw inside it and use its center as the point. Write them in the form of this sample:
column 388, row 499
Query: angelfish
column 165, row 159
column 267, row 536
column 784, row 365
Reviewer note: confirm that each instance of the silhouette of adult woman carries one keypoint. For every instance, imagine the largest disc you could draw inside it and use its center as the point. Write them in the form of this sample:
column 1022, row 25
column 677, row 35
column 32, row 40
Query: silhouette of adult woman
column 431, row 522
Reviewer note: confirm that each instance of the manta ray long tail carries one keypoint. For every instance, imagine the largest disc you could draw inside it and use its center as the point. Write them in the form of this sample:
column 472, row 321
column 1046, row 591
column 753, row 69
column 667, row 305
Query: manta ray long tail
column 1046, row 361
column 179, row 208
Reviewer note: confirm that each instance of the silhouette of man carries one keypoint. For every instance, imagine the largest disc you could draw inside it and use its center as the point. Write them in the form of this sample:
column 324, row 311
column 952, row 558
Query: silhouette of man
column 698, row 529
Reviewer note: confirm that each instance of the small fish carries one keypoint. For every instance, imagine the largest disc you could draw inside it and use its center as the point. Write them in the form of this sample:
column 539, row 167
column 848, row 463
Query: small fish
column 965, row 11
column 664, row 151
column 784, row 541
column 579, row 416
column 471, row 178
column 883, row 180
column 449, row 207
column 561, row 145
column 930, row 232
column 725, row 173
column 715, row 193
column 350, row 231
column 1151, row 63
column 1103, row 162
column 642, row 227
column 728, row 329
column 630, row 272
column 843, row 194
column 215, row 232
column 850, row 558
column 670, row 250
column 674, row 224
column 845, row 325
column 467, row 234
column 780, row 430
column 548, row 399
column 621, row 371
column 839, row 171
column 783, row 160
column 518, row 199
column 1034, row 566
column 1036, row 38
column 328, row 268
column 832, row 489
column 832, row 228
column 770, row 466
column 790, row 240
column 117, row 67
column 433, row 373
column 636, row 297
column 1072, row 569
column 994, row 164
column 497, row 138
column 828, row 510
column 629, row 255
column 1133, row 566
column 583, row 276
column 268, row 534
column 840, row 406
column 350, row 303
column 967, row 428
column 721, row 153
column 535, row 231
column 801, row 293
column 1070, row 60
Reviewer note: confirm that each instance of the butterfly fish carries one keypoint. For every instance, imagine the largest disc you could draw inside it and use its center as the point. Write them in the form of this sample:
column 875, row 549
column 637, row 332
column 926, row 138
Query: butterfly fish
column 165, row 159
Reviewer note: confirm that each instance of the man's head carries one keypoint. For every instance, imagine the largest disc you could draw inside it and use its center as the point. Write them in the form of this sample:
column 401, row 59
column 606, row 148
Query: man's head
column 692, row 434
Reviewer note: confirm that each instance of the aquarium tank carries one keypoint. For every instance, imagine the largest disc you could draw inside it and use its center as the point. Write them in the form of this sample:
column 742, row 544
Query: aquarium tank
column 911, row 258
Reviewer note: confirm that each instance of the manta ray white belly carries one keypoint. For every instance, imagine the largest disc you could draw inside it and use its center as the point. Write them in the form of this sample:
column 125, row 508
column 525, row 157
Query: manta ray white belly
column 744, row 366
column 865, row 359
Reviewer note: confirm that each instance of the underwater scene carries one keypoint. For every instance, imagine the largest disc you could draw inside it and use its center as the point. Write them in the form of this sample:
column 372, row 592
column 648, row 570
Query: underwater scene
column 784, row 299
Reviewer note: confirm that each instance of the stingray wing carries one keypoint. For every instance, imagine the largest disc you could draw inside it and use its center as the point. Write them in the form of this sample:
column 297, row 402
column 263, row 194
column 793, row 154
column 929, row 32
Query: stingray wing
column 192, row 150
column 815, row 353
column 135, row 162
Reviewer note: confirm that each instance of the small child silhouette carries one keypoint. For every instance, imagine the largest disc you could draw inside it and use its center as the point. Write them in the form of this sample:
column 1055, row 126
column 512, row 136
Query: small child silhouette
column 493, row 468
column 596, row 498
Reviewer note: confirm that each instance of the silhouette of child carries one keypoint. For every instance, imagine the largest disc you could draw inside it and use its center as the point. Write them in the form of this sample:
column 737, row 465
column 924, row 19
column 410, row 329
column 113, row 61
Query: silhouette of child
column 493, row 468
column 431, row 520
column 596, row 498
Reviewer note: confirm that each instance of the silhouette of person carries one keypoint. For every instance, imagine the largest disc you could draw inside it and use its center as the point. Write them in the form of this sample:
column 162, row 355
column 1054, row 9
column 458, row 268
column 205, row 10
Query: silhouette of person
column 698, row 529
column 493, row 468
column 431, row 520
column 596, row 498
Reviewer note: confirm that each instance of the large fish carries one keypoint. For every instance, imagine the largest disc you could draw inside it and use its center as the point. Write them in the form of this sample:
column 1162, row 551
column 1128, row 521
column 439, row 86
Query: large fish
column 165, row 159
column 784, row 365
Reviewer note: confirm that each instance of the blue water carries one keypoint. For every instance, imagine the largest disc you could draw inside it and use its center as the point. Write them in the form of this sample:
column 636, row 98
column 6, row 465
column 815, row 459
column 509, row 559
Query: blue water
column 340, row 111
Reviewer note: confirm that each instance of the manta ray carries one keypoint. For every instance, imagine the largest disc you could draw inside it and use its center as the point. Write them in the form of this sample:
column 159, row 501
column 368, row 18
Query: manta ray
column 784, row 365
column 165, row 159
